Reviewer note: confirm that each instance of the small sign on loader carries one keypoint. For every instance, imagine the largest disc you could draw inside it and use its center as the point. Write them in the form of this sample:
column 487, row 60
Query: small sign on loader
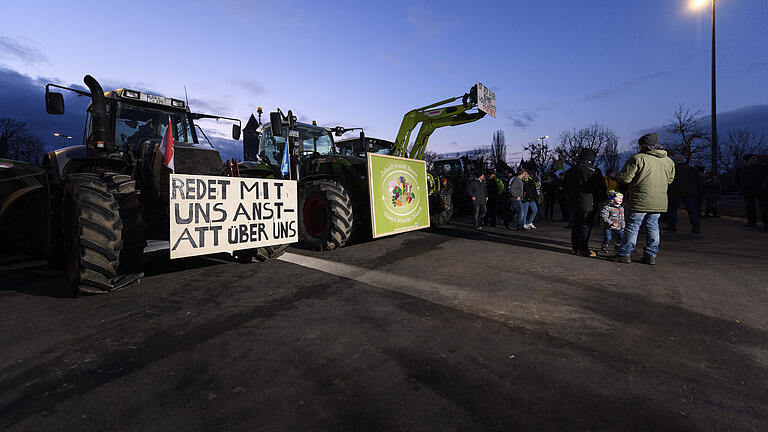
column 486, row 100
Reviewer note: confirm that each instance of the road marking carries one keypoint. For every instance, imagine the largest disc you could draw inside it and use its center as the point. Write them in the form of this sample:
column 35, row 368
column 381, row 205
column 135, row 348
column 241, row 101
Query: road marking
column 461, row 298
column 35, row 263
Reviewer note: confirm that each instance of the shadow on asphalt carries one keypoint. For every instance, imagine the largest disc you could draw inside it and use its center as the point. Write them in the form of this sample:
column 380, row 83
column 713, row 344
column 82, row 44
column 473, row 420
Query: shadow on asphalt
column 42, row 280
column 522, row 240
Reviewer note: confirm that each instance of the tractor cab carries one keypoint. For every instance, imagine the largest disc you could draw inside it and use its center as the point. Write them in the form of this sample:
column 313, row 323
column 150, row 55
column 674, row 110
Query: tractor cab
column 310, row 141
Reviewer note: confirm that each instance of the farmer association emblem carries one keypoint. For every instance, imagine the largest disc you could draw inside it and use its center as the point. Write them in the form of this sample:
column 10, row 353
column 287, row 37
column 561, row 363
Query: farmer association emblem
column 401, row 192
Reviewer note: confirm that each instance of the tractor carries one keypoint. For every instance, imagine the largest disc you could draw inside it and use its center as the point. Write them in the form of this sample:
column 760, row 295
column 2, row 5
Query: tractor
column 106, row 201
column 334, row 204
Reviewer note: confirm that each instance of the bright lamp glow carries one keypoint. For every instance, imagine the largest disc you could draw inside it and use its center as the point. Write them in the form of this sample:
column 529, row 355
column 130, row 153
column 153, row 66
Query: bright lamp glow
column 697, row 4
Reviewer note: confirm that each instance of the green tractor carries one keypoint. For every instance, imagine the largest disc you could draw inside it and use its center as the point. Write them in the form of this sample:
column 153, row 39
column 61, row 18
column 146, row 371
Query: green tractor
column 106, row 201
column 333, row 191
column 334, row 203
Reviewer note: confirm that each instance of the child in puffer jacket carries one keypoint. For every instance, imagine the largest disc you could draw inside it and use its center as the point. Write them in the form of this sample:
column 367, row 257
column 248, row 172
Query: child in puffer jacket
column 612, row 217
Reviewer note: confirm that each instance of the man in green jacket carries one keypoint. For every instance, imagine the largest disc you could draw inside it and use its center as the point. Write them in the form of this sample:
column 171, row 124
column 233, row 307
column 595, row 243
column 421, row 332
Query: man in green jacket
column 645, row 178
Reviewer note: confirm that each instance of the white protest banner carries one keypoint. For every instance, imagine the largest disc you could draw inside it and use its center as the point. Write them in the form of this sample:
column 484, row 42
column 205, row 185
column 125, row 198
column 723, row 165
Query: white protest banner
column 211, row 214
column 486, row 100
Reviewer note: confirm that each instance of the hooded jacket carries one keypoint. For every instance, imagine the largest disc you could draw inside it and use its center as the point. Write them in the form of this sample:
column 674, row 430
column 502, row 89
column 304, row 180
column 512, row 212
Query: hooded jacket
column 687, row 182
column 585, row 186
column 646, row 177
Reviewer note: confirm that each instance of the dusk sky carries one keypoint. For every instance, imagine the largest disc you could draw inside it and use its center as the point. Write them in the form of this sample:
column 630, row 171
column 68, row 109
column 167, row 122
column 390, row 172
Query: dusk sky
column 554, row 65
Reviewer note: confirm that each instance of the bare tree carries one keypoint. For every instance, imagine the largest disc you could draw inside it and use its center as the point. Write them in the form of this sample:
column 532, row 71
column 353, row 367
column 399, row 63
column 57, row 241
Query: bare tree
column 541, row 155
column 691, row 136
column 612, row 156
column 738, row 143
column 16, row 142
column 9, row 128
column 430, row 157
column 594, row 137
column 498, row 150
column 26, row 147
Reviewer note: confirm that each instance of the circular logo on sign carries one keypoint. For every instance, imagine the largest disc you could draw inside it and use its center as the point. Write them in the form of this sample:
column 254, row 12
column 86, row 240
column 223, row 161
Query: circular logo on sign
column 401, row 193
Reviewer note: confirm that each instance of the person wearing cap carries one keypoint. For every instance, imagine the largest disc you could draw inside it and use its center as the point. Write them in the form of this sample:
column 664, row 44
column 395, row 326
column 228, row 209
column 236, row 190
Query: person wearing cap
column 645, row 178
column 612, row 216
column 586, row 189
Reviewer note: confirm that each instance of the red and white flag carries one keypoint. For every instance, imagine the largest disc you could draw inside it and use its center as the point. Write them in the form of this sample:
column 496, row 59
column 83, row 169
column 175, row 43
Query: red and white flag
column 166, row 147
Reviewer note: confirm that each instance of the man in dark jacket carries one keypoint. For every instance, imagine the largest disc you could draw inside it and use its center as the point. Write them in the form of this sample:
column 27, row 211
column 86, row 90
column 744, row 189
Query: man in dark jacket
column 586, row 189
column 685, row 189
column 562, row 199
column 478, row 193
column 749, row 179
column 492, row 188
column 646, row 177
column 549, row 189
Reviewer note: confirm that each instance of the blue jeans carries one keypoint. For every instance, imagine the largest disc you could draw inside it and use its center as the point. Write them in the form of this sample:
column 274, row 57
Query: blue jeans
column 516, row 210
column 534, row 209
column 652, row 237
column 609, row 233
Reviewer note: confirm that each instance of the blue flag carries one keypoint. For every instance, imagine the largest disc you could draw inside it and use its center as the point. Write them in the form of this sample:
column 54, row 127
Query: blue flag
column 285, row 168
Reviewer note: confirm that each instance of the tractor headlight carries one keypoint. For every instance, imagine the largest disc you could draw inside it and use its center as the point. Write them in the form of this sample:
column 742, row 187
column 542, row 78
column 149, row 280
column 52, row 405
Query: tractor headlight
column 177, row 103
column 131, row 94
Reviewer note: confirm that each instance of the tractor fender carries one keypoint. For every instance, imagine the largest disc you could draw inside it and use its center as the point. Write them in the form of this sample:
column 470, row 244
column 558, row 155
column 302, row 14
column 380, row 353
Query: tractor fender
column 22, row 220
column 59, row 163
column 313, row 177
column 17, row 196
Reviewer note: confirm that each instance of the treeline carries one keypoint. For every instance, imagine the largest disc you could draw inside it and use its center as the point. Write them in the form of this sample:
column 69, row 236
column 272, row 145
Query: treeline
column 18, row 143
column 688, row 141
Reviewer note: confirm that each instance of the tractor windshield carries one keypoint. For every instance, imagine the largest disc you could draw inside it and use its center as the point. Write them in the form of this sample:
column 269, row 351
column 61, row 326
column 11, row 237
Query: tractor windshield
column 448, row 168
column 314, row 139
column 311, row 139
column 134, row 125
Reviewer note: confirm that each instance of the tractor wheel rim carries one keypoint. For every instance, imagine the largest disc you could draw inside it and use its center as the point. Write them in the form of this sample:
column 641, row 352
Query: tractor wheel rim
column 315, row 216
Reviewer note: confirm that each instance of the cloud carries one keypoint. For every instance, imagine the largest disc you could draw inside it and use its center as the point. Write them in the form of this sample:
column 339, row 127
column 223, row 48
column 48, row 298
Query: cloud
column 23, row 98
column 609, row 92
column 425, row 24
column 250, row 86
column 24, row 52
column 522, row 119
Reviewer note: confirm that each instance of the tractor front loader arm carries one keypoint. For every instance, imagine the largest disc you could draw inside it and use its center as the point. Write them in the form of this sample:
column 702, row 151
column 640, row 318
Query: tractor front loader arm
column 432, row 117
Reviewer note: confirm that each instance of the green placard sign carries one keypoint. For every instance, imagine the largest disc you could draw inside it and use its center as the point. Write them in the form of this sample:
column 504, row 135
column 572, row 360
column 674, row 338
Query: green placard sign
column 398, row 188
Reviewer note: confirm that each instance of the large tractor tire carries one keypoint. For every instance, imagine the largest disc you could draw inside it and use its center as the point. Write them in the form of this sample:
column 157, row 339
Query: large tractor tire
column 103, row 233
column 326, row 217
column 443, row 208
column 260, row 254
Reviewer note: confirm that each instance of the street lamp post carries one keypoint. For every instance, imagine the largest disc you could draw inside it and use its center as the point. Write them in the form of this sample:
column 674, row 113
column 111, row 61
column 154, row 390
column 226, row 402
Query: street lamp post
column 714, row 99
column 63, row 137
column 542, row 139
column 714, row 140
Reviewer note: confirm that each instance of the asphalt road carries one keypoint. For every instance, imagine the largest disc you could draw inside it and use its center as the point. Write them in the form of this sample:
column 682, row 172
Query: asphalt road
column 443, row 329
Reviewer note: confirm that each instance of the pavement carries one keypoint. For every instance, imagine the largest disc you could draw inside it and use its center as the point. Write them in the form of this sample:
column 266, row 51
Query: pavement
column 442, row 329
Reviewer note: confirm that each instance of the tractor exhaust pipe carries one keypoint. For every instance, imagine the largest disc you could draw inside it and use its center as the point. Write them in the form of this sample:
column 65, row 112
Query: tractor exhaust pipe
column 98, row 140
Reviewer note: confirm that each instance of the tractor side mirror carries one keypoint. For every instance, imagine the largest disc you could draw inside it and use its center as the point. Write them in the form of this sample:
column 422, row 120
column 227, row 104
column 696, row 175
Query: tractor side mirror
column 54, row 103
column 276, row 123
column 235, row 131
column 367, row 145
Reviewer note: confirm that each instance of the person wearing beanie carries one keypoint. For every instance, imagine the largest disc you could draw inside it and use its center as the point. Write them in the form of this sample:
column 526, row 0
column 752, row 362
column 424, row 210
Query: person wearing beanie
column 612, row 217
column 644, row 179
column 585, row 187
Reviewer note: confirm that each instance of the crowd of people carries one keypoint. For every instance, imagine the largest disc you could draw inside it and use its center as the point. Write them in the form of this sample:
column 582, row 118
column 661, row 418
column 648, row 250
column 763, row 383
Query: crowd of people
column 649, row 190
